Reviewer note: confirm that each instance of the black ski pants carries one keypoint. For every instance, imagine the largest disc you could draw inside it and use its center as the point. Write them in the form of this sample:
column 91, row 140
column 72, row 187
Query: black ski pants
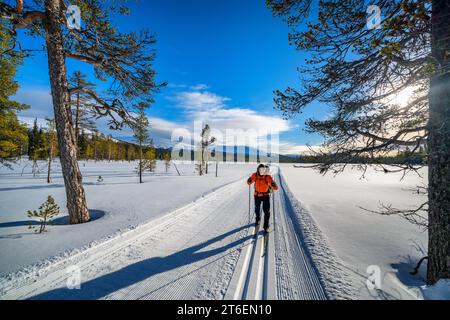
column 265, row 201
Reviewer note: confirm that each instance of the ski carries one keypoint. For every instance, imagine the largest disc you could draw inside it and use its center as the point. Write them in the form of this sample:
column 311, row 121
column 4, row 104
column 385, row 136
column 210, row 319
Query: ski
column 266, row 243
column 255, row 233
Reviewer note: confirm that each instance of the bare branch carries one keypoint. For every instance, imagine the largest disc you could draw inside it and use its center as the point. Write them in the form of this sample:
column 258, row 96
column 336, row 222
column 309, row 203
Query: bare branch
column 28, row 18
column 103, row 108
column 416, row 216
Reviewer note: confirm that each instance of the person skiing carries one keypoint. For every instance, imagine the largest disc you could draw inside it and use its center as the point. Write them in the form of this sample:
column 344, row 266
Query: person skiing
column 264, row 185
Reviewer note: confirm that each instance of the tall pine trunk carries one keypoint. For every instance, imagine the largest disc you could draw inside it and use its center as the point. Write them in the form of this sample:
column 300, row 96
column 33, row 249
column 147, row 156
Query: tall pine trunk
column 77, row 117
column 140, row 162
column 439, row 147
column 49, row 169
column 76, row 200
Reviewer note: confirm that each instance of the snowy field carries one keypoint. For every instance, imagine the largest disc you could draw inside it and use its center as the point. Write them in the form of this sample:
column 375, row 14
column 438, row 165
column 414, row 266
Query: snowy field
column 189, row 237
column 119, row 202
column 360, row 238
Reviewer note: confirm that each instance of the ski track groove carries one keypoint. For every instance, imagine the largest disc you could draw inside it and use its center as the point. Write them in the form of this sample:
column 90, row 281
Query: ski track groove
column 252, row 283
column 296, row 274
column 245, row 281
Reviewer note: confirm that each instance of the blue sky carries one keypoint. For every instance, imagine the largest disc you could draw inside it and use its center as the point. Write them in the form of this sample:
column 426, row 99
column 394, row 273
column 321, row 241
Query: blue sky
column 222, row 60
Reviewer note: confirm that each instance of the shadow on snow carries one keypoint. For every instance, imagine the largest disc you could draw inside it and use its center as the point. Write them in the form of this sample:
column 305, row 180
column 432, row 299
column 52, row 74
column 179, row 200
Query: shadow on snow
column 139, row 271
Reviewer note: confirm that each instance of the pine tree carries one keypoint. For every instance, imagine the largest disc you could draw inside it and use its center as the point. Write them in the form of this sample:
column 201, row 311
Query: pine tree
column 90, row 151
column 82, row 104
column 47, row 211
column 82, row 145
column 167, row 159
column 13, row 135
column 37, row 147
column 141, row 135
column 359, row 71
column 33, row 137
column 123, row 58
column 130, row 152
column 41, row 150
column 149, row 159
column 51, row 145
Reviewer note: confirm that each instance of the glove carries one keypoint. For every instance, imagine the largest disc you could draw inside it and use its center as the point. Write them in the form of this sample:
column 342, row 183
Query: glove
column 273, row 186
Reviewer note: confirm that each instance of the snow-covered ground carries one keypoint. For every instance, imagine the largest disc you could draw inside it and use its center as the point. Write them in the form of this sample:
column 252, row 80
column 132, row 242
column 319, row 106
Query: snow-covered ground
column 119, row 202
column 206, row 249
column 189, row 237
column 362, row 239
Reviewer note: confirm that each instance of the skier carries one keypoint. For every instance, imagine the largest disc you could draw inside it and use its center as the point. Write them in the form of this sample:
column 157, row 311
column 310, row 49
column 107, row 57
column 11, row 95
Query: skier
column 264, row 185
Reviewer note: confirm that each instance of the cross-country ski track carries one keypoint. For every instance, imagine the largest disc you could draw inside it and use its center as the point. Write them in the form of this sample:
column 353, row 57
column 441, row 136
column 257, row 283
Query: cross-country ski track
column 205, row 250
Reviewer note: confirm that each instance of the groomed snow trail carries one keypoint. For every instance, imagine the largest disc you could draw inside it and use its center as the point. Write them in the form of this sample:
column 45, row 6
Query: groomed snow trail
column 286, row 271
column 297, row 276
column 205, row 250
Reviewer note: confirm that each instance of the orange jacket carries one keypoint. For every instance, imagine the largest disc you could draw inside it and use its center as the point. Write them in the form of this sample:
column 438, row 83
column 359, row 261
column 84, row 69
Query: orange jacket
column 262, row 184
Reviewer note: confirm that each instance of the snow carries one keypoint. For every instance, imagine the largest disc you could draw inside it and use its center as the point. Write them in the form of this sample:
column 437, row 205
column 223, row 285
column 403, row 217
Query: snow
column 189, row 237
column 194, row 252
column 361, row 239
column 189, row 253
column 119, row 203
column 439, row 291
column 314, row 260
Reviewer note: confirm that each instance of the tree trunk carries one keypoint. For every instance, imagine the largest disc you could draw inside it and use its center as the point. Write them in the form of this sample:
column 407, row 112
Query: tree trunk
column 140, row 163
column 439, row 148
column 77, row 118
column 202, row 162
column 76, row 201
column 50, row 158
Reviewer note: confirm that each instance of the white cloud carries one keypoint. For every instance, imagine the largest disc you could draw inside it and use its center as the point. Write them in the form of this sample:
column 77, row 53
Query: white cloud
column 39, row 99
column 200, row 86
column 200, row 101
column 161, row 131
column 199, row 107
column 209, row 107
column 29, row 121
column 291, row 149
column 232, row 125
column 245, row 119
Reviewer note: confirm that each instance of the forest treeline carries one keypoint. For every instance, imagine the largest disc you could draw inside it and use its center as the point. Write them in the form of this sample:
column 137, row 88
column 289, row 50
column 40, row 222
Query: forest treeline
column 91, row 146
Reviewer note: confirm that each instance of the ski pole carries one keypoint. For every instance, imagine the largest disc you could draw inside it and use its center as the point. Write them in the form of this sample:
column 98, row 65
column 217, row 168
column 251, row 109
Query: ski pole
column 273, row 209
column 249, row 191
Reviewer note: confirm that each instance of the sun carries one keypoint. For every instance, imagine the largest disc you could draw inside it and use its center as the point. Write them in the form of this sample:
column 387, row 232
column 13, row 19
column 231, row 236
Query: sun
column 403, row 98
